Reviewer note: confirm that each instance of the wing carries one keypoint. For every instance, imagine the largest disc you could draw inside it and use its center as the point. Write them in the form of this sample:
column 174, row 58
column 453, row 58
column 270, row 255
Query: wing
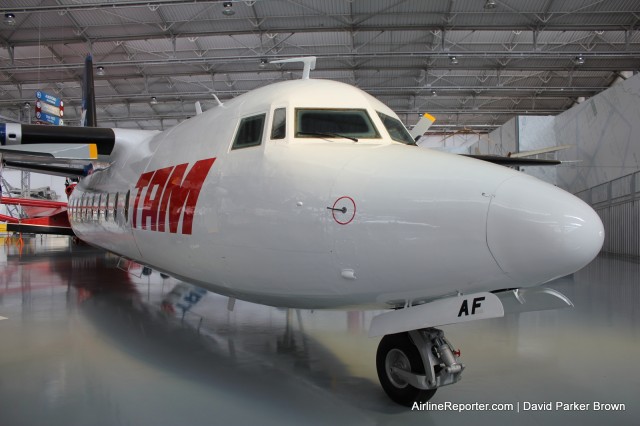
column 62, row 151
column 49, row 217
column 539, row 151
column 510, row 161
column 57, row 224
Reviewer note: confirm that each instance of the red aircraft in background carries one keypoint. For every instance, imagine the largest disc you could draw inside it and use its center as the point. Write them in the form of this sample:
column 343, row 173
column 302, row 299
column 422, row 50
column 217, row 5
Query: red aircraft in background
column 46, row 216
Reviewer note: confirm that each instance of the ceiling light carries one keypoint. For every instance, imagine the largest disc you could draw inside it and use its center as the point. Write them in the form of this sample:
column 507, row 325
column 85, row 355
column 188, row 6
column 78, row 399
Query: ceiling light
column 453, row 60
column 434, row 93
column 263, row 63
column 9, row 19
column 154, row 100
column 490, row 4
column 100, row 70
column 228, row 8
column 579, row 60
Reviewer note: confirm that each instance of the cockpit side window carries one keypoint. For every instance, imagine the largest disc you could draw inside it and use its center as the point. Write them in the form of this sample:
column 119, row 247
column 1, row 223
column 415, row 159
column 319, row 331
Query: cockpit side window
column 353, row 123
column 249, row 132
column 396, row 129
column 279, row 125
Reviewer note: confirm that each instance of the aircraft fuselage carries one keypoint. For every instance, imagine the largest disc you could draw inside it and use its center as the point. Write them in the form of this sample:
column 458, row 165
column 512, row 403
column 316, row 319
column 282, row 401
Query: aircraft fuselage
column 325, row 222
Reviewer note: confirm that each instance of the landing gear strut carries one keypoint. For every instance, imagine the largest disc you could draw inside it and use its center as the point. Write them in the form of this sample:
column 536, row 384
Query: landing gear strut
column 413, row 365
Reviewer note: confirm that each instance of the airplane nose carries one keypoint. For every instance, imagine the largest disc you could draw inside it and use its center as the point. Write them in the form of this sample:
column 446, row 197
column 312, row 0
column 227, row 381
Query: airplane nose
column 537, row 232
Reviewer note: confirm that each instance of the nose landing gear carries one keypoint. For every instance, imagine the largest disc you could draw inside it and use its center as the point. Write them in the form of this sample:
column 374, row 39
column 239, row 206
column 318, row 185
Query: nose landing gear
column 413, row 365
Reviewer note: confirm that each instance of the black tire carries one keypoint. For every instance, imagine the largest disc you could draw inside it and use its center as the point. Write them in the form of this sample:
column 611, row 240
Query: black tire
column 399, row 350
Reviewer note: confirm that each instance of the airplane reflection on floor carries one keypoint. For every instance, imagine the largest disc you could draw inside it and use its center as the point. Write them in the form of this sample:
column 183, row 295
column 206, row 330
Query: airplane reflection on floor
column 88, row 343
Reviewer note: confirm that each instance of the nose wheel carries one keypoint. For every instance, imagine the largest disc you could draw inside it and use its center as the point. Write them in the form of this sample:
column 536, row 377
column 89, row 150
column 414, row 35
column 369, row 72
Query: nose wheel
column 412, row 365
column 397, row 354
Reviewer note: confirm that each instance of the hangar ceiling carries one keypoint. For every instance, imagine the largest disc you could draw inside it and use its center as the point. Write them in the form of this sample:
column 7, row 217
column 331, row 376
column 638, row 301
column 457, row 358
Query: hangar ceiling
column 473, row 64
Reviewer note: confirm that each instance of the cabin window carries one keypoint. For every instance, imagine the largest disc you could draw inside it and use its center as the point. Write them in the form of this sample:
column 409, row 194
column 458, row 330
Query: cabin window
column 350, row 123
column 107, row 206
column 396, row 129
column 126, row 207
column 95, row 206
column 115, row 206
column 85, row 207
column 279, row 125
column 249, row 132
column 102, row 215
column 98, row 204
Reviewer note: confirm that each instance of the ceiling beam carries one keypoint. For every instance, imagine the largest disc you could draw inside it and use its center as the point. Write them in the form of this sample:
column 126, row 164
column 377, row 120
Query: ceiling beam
column 568, row 55
column 155, row 35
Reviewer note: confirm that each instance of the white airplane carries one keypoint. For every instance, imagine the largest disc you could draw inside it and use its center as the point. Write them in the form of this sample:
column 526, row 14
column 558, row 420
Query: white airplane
column 311, row 194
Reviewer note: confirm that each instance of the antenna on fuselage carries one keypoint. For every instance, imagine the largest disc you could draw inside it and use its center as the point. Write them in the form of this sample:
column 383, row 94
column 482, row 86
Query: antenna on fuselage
column 308, row 61
column 216, row 98
column 199, row 105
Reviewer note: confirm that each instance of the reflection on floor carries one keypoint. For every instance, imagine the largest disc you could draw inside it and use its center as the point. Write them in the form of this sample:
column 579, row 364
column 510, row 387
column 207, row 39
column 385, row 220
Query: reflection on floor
column 86, row 343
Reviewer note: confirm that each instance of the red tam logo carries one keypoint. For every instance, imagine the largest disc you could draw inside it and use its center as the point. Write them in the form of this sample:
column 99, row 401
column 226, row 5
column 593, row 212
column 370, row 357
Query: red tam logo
column 169, row 196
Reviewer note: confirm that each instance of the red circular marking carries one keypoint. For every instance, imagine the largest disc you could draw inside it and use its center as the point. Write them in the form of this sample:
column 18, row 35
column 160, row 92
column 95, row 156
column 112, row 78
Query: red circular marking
column 350, row 217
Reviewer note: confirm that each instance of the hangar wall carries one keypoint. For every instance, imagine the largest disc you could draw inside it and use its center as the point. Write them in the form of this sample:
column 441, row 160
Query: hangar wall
column 606, row 133
column 526, row 133
column 537, row 132
column 618, row 204
column 458, row 143
column 503, row 140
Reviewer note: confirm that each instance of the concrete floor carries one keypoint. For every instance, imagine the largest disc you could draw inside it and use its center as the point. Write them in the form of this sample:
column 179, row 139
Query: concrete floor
column 85, row 343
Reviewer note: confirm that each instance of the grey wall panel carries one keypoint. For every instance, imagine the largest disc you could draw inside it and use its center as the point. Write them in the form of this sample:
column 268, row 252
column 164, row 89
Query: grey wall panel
column 525, row 133
column 618, row 204
column 502, row 140
column 534, row 133
column 622, row 228
column 605, row 132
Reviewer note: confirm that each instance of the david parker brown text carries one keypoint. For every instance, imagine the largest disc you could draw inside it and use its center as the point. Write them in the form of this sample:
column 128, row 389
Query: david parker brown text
column 520, row 406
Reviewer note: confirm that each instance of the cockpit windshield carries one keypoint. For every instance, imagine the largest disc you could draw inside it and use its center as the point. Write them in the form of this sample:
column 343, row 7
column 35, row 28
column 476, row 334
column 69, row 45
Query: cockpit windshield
column 352, row 124
column 396, row 129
